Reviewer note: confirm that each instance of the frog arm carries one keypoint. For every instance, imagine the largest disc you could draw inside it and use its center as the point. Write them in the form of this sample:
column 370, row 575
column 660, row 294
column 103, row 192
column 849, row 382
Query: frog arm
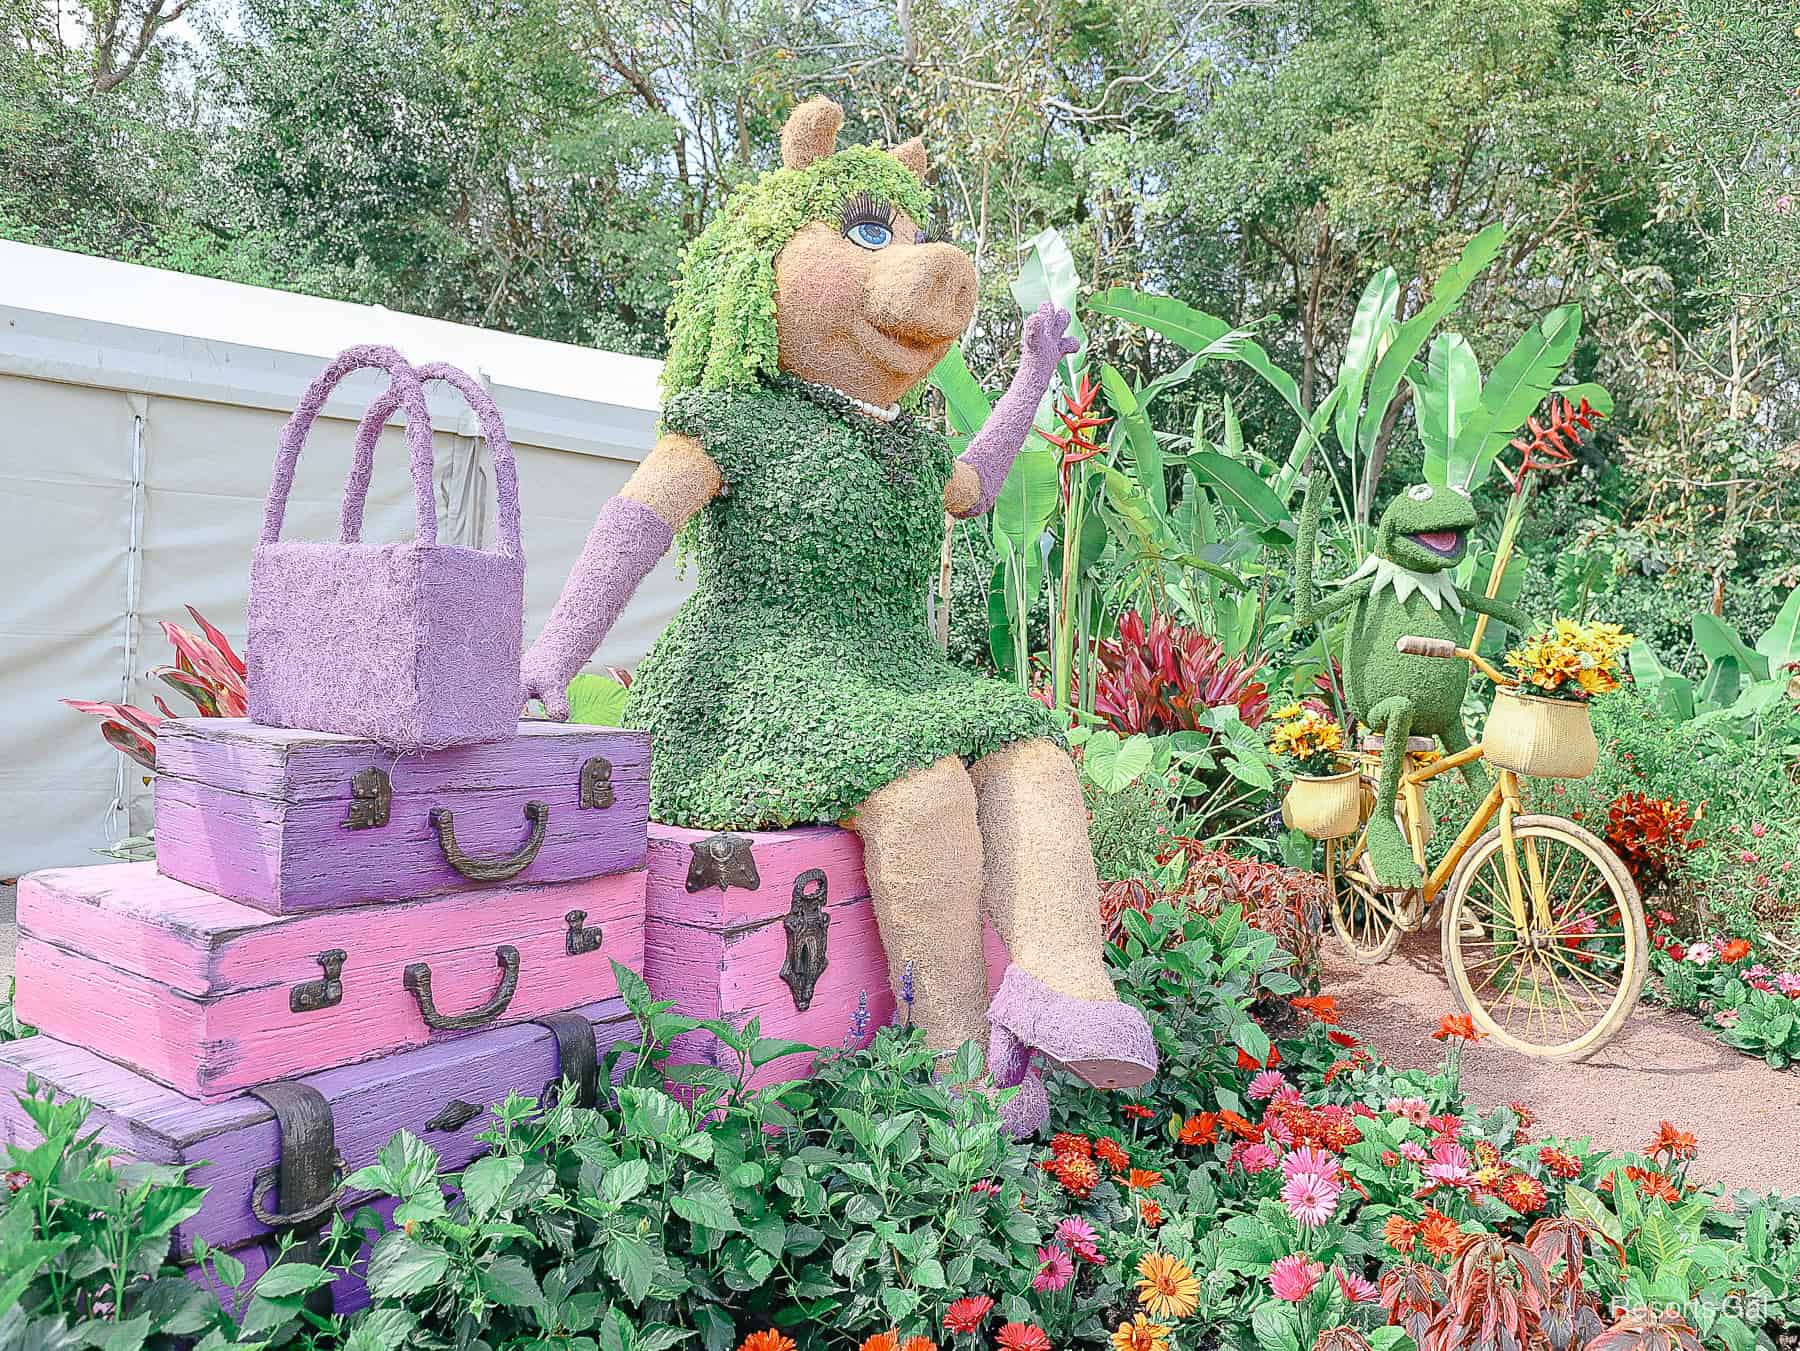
column 1510, row 615
column 632, row 532
column 1307, row 608
column 1330, row 605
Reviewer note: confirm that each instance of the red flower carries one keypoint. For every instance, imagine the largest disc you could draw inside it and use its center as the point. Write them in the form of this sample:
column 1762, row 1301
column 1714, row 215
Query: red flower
column 1559, row 1164
column 1022, row 1337
column 1323, row 1007
column 1245, row 1061
column 1078, row 419
column 1523, row 1192
column 1669, row 1143
column 1150, row 1213
column 1552, row 444
column 882, row 1341
column 1063, row 1145
column 1078, row 1175
column 1440, row 1234
column 1458, row 1027
column 1343, row 1039
column 1734, row 950
column 1199, row 1130
column 1138, row 1110
column 1400, row 1233
column 965, row 1315
column 1112, row 1154
column 1143, row 1177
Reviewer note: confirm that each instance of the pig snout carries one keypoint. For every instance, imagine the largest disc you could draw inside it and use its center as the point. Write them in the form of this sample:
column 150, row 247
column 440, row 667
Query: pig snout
column 922, row 294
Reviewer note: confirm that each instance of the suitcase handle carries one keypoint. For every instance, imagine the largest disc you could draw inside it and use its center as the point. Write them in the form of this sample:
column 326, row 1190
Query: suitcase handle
column 265, row 1182
column 490, row 869
column 418, row 984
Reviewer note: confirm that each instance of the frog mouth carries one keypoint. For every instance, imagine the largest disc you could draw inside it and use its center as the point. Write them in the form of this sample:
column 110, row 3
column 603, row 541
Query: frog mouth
column 1444, row 543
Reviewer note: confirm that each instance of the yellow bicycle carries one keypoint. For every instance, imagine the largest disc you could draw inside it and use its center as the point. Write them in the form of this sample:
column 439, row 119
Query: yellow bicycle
column 1543, row 930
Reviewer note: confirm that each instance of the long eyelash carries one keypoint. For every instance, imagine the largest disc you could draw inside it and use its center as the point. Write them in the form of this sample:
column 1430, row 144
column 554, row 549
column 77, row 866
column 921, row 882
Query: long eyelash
column 865, row 209
column 932, row 232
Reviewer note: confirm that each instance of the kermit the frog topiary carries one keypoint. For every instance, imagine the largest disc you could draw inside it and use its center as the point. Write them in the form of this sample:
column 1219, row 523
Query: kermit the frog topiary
column 1403, row 588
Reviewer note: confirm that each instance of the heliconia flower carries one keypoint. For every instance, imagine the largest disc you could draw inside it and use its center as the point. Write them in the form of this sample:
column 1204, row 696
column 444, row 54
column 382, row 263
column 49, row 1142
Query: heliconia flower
column 1055, row 1270
column 1310, row 1198
column 1294, row 1277
column 1306, row 1159
column 1078, row 1236
column 1357, row 1288
column 965, row 1315
column 1266, row 1084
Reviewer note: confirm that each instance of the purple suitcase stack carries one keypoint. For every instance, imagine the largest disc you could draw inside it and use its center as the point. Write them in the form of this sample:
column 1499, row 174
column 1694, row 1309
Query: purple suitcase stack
column 336, row 943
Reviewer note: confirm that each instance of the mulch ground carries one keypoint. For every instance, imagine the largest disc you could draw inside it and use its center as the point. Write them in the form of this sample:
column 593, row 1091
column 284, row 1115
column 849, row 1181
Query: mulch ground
column 1663, row 1066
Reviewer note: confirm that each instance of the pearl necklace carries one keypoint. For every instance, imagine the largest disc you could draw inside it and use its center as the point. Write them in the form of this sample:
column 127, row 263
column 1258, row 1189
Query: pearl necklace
column 862, row 406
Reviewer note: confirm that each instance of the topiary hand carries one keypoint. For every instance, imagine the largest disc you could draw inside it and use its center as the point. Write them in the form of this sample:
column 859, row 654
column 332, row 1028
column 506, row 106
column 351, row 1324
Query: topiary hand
column 1046, row 341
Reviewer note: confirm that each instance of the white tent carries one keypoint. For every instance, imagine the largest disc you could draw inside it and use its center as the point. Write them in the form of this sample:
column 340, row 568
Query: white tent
column 138, row 416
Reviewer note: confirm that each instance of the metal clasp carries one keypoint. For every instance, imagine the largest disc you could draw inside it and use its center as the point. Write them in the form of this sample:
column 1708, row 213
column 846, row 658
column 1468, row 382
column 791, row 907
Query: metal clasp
column 807, row 925
column 596, row 783
column 723, row 861
column 580, row 940
column 326, row 992
column 371, row 799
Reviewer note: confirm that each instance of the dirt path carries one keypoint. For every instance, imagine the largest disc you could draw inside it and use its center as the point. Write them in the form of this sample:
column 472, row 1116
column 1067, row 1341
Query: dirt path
column 1662, row 1067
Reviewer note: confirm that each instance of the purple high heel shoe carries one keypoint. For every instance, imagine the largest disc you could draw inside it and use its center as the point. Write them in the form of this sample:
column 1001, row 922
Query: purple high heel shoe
column 1103, row 1043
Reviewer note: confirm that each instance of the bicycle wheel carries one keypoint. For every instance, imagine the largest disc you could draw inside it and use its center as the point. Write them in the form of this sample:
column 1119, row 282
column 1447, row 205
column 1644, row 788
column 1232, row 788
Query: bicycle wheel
column 1559, row 991
column 1361, row 915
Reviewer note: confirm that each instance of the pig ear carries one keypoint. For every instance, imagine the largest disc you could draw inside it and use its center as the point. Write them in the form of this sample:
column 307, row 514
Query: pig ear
column 912, row 155
column 811, row 132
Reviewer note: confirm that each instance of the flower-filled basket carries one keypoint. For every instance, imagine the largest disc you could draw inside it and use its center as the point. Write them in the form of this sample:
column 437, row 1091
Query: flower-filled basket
column 1540, row 726
column 1325, row 799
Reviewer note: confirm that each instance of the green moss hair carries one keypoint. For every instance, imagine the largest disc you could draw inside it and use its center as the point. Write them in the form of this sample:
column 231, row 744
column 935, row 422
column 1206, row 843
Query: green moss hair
column 722, row 319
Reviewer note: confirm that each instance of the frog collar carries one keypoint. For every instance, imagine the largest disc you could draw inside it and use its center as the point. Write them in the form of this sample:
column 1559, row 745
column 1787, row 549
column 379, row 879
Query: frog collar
column 1436, row 587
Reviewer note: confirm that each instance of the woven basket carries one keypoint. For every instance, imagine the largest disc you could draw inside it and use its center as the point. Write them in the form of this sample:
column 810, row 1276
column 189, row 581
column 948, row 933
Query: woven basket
column 1326, row 807
column 1541, row 738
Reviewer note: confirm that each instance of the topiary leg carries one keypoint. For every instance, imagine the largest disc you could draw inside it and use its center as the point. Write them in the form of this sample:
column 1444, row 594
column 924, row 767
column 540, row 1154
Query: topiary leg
column 1455, row 739
column 922, row 856
column 1389, row 853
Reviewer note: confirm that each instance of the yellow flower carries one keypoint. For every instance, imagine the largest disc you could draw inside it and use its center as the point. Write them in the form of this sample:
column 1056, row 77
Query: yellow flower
column 1140, row 1334
column 1286, row 712
column 1166, row 1287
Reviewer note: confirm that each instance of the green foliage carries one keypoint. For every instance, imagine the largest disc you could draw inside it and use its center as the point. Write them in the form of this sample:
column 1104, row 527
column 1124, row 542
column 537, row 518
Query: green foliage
column 1129, row 828
column 598, row 700
column 1763, row 1024
column 11, row 1029
column 801, row 676
column 722, row 319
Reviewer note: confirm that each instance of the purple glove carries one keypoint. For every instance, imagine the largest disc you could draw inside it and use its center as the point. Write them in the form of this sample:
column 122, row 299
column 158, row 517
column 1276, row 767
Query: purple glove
column 627, row 540
column 993, row 449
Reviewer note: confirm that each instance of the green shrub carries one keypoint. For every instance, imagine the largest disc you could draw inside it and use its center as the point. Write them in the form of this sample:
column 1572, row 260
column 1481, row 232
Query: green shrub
column 1130, row 830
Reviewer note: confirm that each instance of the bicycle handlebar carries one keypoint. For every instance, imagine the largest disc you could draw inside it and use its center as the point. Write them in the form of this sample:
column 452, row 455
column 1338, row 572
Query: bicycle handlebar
column 1414, row 646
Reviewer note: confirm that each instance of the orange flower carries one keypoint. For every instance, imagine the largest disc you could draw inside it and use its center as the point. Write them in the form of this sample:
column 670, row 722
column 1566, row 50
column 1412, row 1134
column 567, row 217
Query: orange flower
column 1673, row 1143
column 1245, row 1061
column 1321, row 1006
column 1112, row 1154
column 1199, row 1130
column 1063, row 1144
column 1343, row 1039
column 1150, row 1213
column 1401, row 1234
column 1143, row 1177
column 1440, row 1234
column 767, row 1340
column 1140, row 1334
column 1457, row 1027
column 918, row 1344
column 1523, row 1192
column 1078, row 1175
column 1559, row 1163
column 883, row 1341
column 1239, row 1126
column 1734, row 950
column 1166, row 1286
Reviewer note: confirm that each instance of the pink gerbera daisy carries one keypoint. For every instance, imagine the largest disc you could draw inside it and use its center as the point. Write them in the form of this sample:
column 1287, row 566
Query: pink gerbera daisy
column 1357, row 1289
column 1267, row 1084
column 1055, row 1270
column 1306, row 1159
column 1412, row 1149
column 1311, row 1198
column 1293, row 1278
column 1254, row 1158
column 1079, row 1239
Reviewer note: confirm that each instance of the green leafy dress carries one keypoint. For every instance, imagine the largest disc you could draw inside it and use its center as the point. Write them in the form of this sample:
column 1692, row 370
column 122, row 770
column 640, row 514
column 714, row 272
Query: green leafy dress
column 801, row 676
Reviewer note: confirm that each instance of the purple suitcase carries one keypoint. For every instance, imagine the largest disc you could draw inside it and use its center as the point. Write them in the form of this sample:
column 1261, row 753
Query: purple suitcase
column 287, row 821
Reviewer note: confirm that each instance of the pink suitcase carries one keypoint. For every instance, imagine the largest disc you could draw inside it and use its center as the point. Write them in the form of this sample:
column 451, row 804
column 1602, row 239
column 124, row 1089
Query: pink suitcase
column 211, row 997
column 776, row 925
column 326, row 1126
column 288, row 821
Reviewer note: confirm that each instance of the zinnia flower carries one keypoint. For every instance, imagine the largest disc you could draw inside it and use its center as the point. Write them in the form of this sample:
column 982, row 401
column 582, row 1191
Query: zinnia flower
column 767, row 1340
column 1293, row 1277
column 1150, row 1213
column 883, row 1341
column 1166, row 1287
column 1022, row 1337
column 1140, row 1334
column 1558, row 1163
column 1400, row 1233
column 1266, row 1084
column 1246, row 1061
column 1112, row 1154
column 1310, row 1198
column 1457, row 1027
column 1357, row 1288
column 1064, row 1145
column 1077, row 1174
column 1078, row 1237
column 1055, row 1270
column 1523, row 1192
column 965, row 1315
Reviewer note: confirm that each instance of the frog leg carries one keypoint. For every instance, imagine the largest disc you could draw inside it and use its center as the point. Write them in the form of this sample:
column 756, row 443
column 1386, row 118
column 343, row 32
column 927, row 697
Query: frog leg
column 1389, row 853
column 922, row 857
column 1043, row 895
column 1455, row 739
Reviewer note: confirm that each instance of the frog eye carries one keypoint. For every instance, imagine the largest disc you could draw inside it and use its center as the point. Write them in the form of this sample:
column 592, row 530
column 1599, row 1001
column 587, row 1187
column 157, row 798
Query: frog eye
column 870, row 234
column 1420, row 492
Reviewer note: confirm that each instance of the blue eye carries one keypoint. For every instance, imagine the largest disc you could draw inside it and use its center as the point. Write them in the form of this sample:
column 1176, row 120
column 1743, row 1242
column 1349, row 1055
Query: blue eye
column 870, row 234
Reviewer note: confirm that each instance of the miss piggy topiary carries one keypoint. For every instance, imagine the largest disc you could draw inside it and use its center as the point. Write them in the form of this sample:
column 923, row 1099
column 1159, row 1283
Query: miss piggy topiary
column 800, row 682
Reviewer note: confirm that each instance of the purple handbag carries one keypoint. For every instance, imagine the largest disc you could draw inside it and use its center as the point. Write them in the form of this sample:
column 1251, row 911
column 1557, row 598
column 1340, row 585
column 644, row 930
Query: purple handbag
column 414, row 645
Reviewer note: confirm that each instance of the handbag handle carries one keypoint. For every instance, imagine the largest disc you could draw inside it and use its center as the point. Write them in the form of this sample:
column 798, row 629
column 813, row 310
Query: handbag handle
column 405, row 388
column 493, row 430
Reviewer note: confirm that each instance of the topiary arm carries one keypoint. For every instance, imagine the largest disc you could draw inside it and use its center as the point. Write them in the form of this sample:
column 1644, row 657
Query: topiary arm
column 982, row 468
column 632, row 532
column 1308, row 609
column 1510, row 615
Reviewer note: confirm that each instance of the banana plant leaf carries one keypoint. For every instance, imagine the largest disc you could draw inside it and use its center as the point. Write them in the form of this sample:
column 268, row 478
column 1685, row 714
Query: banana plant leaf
column 964, row 398
column 1239, row 489
column 1445, row 392
column 1202, row 334
column 1146, row 453
column 1374, row 319
column 1519, row 383
column 1719, row 642
column 1031, row 494
column 1780, row 643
